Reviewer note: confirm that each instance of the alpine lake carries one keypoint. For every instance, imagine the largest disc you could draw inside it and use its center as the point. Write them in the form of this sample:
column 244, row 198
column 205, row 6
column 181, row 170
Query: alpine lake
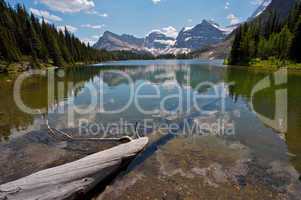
column 216, row 132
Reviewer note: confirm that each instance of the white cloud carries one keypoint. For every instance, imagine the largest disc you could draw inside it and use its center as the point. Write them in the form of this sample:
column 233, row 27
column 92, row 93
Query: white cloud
column 87, row 41
column 233, row 19
column 94, row 12
column 69, row 6
column 70, row 28
column 45, row 14
column 45, row 20
column 103, row 15
column 169, row 31
column 92, row 26
column 92, row 40
column 227, row 6
column 189, row 20
column 156, row 1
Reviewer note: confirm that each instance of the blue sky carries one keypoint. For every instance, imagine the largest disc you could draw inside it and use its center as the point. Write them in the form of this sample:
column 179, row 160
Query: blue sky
column 88, row 19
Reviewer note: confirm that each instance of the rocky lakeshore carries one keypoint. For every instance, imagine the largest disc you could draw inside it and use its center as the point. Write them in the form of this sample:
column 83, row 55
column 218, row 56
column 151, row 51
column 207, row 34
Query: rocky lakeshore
column 206, row 168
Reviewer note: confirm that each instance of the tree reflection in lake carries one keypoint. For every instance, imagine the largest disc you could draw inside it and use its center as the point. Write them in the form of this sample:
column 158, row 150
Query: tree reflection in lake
column 264, row 102
column 259, row 142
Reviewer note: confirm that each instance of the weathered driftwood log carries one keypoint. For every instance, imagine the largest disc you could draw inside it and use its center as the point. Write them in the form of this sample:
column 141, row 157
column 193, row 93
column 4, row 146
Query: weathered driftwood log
column 69, row 180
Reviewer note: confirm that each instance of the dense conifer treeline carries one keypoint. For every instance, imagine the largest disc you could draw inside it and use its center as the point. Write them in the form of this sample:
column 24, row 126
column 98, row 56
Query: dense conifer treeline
column 268, row 38
column 24, row 35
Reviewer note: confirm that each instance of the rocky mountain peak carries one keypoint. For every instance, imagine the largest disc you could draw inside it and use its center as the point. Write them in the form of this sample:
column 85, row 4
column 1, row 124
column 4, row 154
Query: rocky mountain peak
column 199, row 36
column 158, row 40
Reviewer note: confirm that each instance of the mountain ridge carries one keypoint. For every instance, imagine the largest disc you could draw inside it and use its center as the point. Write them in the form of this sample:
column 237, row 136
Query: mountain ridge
column 201, row 35
column 221, row 50
column 262, row 7
column 156, row 42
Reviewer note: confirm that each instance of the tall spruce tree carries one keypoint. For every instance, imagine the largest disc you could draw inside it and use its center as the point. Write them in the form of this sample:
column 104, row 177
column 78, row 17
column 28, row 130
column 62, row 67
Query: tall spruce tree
column 295, row 51
column 235, row 51
column 271, row 39
column 23, row 36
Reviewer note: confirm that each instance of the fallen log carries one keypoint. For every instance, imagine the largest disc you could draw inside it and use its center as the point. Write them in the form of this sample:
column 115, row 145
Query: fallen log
column 72, row 179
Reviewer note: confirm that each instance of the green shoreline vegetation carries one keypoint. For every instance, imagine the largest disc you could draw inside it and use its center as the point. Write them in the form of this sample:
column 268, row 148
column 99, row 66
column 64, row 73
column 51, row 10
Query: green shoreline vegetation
column 269, row 42
column 270, row 63
column 27, row 42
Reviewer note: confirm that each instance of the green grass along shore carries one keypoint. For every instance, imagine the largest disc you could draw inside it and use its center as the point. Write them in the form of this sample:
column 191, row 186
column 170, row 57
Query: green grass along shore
column 271, row 63
column 25, row 65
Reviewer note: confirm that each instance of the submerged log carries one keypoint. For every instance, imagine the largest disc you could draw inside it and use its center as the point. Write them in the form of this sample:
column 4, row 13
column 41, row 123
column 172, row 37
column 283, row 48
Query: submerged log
column 69, row 180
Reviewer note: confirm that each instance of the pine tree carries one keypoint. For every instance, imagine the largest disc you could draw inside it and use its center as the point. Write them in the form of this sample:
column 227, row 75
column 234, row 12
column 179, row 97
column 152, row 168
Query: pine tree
column 284, row 40
column 293, row 17
column 295, row 51
column 270, row 39
column 22, row 34
column 54, row 51
column 235, row 51
column 262, row 48
column 9, row 48
column 63, row 47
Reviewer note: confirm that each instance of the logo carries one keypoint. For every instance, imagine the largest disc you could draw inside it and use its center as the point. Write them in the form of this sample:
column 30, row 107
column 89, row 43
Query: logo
column 278, row 79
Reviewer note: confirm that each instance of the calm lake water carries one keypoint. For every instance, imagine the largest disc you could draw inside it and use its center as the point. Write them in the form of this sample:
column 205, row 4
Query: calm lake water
column 251, row 137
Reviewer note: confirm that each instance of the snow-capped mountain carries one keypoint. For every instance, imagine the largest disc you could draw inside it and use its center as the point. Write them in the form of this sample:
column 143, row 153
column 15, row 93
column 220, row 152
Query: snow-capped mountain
column 157, row 43
column 261, row 8
column 201, row 35
column 205, row 34
column 281, row 7
column 226, row 30
column 158, row 40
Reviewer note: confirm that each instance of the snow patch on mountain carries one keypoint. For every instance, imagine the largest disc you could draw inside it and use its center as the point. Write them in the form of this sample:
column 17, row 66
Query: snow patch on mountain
column 168, row 50
column 188, row 28
column 261, row 8
column 226, row 30
column 204, row 34
column 167, row 40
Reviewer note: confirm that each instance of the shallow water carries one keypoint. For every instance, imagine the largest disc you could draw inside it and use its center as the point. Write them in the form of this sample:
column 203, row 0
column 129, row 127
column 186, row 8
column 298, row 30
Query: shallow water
column 173, row 158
